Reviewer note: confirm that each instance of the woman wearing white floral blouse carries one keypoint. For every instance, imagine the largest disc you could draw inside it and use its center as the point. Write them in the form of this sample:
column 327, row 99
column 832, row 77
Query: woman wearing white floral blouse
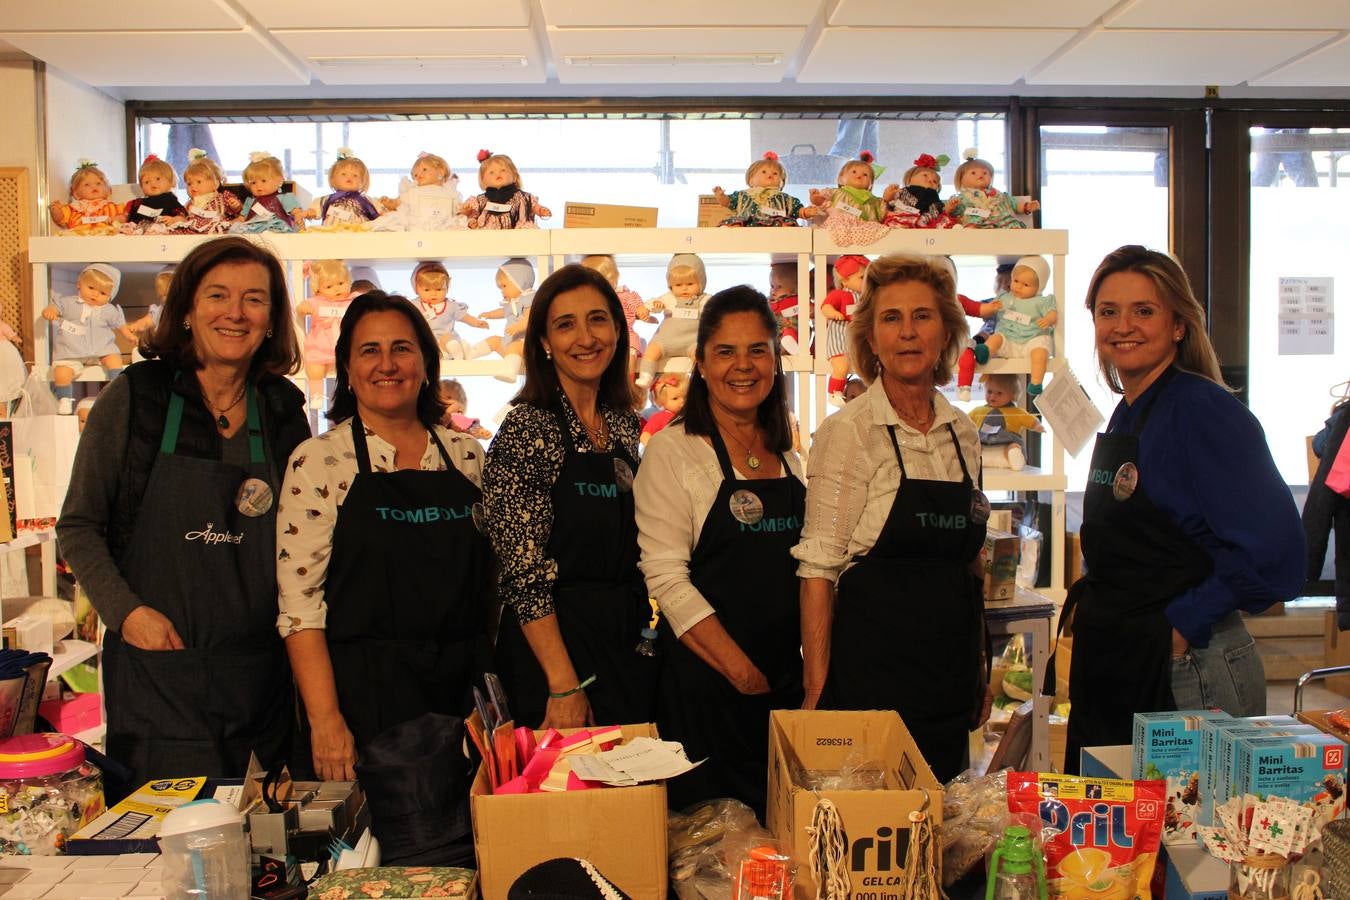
column 382, row 573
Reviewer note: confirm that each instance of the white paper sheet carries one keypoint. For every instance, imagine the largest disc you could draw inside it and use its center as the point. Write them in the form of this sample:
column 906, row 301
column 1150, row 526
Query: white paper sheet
column 1306, row 317
column 1069, row 411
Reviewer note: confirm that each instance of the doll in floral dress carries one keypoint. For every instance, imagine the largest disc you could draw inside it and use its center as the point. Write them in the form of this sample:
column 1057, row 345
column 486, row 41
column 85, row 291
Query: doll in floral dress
column 853, row 213
column 90, row 211
column 978, row 205
column 763, row 202
column 634, row 310
column 503, row 205
column 210, row 210
column 347, row 208
column 918, row 204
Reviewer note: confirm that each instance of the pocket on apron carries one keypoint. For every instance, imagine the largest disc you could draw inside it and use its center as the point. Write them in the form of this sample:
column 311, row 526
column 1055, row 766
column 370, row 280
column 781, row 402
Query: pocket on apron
column 163, row 693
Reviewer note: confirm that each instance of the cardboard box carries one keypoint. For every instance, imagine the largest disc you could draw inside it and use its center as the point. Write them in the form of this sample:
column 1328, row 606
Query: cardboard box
column 1337, row 653
column 622, row 830
column 1073, row 558
column 1167, row 747
column 603, row 215
column 1216, row 753
column 1000, row 557
column 876, row 822
column 710, row 212
column 1306, row 768
column 77, row 713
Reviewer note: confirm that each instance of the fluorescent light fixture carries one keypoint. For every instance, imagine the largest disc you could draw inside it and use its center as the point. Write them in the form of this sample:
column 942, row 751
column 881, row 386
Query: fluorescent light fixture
column 673, row 60
column 446, row 61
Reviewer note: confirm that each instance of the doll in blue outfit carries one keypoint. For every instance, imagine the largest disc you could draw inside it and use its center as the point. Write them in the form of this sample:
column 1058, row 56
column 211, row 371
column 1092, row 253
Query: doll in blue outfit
column 1026, row 322
column 431, row 283
column 269, row 208
column 87, row 326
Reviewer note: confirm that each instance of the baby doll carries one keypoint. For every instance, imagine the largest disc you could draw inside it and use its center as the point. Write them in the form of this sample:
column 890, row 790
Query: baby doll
column 269, row 208
column 977, row 205
column 1002, row 423
column 86, row 331
column 764, row 202
column 210, row 210
column 427, row 201
column 687, row 280
column 331, row 284
column 965, row 366
column 918, row 204
column 515, row 279
column 456, row 401
column 502, row 205
column 347, row 208
column 1026, row 321
column 783, row 302
column 150, row 321
column 90, row 211
column 853, row 195
column 634, row 310
column 837, row 308
column 431, row 283
column 668, row 391
column 159, row 207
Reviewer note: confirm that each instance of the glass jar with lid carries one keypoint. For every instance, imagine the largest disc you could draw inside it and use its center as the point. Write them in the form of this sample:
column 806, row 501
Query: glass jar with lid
column 48, row 791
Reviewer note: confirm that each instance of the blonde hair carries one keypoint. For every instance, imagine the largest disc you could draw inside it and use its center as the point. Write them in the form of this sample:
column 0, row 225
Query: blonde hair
column 766, row 163
column 96, row 278
column 871, row 172
column 505, row 161
column 456, row 390
column 353, row 163
column 897, row 268
column 327, row 270
column 1012, row 384
column 910, row 172
column 154, row 165
column 667, row 382
column 1195, row 353
column 431, row 275
column 84, row 170
column 264, row 165
column 604, row 264
column 434, row 160
column 972, row 162
column 204, row 165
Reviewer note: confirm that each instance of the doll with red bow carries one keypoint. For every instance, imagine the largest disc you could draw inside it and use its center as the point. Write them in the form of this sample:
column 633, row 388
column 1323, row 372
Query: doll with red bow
column 503, row 205
column 918, row 204
column 977, row 204
column 853, row 213
column 158, row 207
column 837, row 308
column 331, row 284
column 90, row 210
column 763, row 202
column 347, row 208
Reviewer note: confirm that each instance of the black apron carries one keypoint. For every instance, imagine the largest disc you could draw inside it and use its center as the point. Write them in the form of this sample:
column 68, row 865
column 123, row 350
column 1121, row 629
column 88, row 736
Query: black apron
column 1137, row 559
column 599, row 596
column 909, row 619
column 211, row 570
column 406, row 590
column 746, row 572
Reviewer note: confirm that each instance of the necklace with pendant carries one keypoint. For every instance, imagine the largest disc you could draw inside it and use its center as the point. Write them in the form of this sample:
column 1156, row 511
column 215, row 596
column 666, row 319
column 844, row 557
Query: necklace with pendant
column 222, row 420
column 751, row 459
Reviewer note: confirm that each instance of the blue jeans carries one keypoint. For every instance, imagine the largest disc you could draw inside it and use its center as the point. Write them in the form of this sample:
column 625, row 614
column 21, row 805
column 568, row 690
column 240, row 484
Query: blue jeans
column 1226, row 675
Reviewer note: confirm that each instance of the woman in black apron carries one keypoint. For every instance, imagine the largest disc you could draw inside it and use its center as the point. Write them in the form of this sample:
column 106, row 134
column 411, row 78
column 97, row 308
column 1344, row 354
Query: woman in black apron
column 169, row 523
column 894, row 517
column 383, row 574
column 730, row 638
column 558, row 493
column 1186, row 520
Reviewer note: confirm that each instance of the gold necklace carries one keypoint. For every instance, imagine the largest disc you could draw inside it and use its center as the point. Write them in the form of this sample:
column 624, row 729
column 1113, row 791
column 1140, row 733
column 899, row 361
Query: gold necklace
column 599, row 436
column 751, row 459
column 222, row 420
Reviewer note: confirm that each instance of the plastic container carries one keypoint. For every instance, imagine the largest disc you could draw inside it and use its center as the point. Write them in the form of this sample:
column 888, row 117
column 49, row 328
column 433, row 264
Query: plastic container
column 48, row 791
column 205, row 852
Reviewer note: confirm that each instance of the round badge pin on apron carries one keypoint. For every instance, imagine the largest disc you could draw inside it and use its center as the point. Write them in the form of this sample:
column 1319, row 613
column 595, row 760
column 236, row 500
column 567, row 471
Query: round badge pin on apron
column 479, row 513
column 746, row 507
column 254, row 498
column 1126, row 481
column 623, row 475
column 979, row 506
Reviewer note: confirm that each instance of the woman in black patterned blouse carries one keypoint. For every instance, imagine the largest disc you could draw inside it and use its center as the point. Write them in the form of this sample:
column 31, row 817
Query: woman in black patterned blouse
column 558, row 491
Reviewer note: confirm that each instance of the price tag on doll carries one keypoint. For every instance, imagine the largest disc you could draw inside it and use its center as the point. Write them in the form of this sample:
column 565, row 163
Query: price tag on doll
column 96, row 218
column 1013, row 315
column 906, row 208
column 979, row 506
column 70, row 327
column 1125, row 482
column 479, row 514
column 987, row 428
column 497, row 207
column 976, row 212
column 261, row 212
column 851, row 210
column 772, row 212
column 623, row 475
column 331, row 312
column 254, row 498
column 148, row 212
column 685, row 312
column 746, row 507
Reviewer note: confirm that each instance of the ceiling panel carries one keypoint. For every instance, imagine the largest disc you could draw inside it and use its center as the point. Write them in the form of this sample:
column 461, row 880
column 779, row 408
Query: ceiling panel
column 673, row 55
column 104, row 59
column 101, row 15
column 1234, row 14
column 890, row 55
column 418, row 56
column 630, row 14
column 1328, row 67
column 316, row 14
column 1175, row 57
column 970, row 13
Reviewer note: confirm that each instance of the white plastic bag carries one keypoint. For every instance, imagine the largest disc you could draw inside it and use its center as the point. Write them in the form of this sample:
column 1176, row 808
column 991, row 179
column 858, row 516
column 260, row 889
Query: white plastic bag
column 36, row 398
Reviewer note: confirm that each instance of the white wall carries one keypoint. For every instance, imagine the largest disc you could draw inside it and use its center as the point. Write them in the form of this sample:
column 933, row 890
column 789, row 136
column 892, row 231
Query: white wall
column 82, row 123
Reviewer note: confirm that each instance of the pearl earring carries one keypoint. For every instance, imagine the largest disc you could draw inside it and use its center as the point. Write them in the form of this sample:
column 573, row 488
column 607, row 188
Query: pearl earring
column 187, row 326
column 269, row 332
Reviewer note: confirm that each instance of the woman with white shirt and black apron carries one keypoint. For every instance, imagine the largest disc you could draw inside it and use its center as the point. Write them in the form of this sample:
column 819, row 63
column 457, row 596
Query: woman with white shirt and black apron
column 895, row 519
column 730, row 647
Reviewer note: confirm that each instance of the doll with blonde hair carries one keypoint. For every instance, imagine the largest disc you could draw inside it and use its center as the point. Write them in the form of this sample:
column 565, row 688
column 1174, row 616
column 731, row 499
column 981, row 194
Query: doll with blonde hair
column 427, row 199
column 918, row 204
column 763, row 202
column 90, row 210
column 269, row 207
column 515, row 279
column 347, row 208
column 853, row 214
column 87, row 326
column 502, row 205
column 210, row 210
column 682, row 304
column 1026, row 321
column 977, row 204
column 150, row 321
column 330, row 284
column 1002, row 423
column 634, row 310
column 158, row 207
column 431, row 284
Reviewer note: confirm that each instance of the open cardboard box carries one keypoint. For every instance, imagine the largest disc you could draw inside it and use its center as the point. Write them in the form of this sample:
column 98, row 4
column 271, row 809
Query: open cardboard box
column 621, row 830
column 876, row 822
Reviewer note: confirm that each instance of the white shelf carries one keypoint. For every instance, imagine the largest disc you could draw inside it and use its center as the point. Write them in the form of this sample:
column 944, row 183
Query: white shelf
column 28, row 539
column 1028, row 479
column 68, row 654
column 655, row 246
column 955, row 242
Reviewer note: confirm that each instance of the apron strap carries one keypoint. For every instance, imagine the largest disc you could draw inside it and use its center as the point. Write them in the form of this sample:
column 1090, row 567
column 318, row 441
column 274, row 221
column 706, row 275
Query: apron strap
column 723, row 458
column 359, row 444
column 445, row 457
column 960, row 457
column 173, row 420
column 173, row 424
column 898, row 458
column 254, row 424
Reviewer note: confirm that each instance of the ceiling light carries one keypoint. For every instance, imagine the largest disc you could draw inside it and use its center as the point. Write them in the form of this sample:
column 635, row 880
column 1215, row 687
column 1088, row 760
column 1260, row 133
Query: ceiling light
column 673, row 60
column 447, row 61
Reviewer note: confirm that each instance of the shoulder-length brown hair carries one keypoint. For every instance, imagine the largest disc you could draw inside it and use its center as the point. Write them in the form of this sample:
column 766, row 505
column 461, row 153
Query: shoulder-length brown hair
column 1195, row 353
column 541, row 386
column 894, row 269
column 171, row 341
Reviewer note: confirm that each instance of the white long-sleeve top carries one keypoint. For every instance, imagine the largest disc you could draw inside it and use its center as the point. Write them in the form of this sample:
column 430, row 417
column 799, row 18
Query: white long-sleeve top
column 675, row 487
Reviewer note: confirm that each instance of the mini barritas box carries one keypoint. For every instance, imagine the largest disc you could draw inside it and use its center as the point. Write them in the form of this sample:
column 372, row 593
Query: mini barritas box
column 1210, row 732
column 1224, row 775
column 1167, row 747
column 1000, row 557
column 1308, row 769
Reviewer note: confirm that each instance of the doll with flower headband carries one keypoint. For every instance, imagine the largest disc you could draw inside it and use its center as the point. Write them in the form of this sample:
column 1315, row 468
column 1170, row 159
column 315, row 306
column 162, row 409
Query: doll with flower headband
column 976, row 204
column 853, row 212
column 87, row 326
column 210, row 210
column 347, row 208
column 503, row 205
column 90, row 210
column 763, row 202
column 427, row 199
column 837, row 308
column 515, row 279
column 330, row 283
column 268, row 208
column 918, row 204
column 431, row 284
column 158, row 207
